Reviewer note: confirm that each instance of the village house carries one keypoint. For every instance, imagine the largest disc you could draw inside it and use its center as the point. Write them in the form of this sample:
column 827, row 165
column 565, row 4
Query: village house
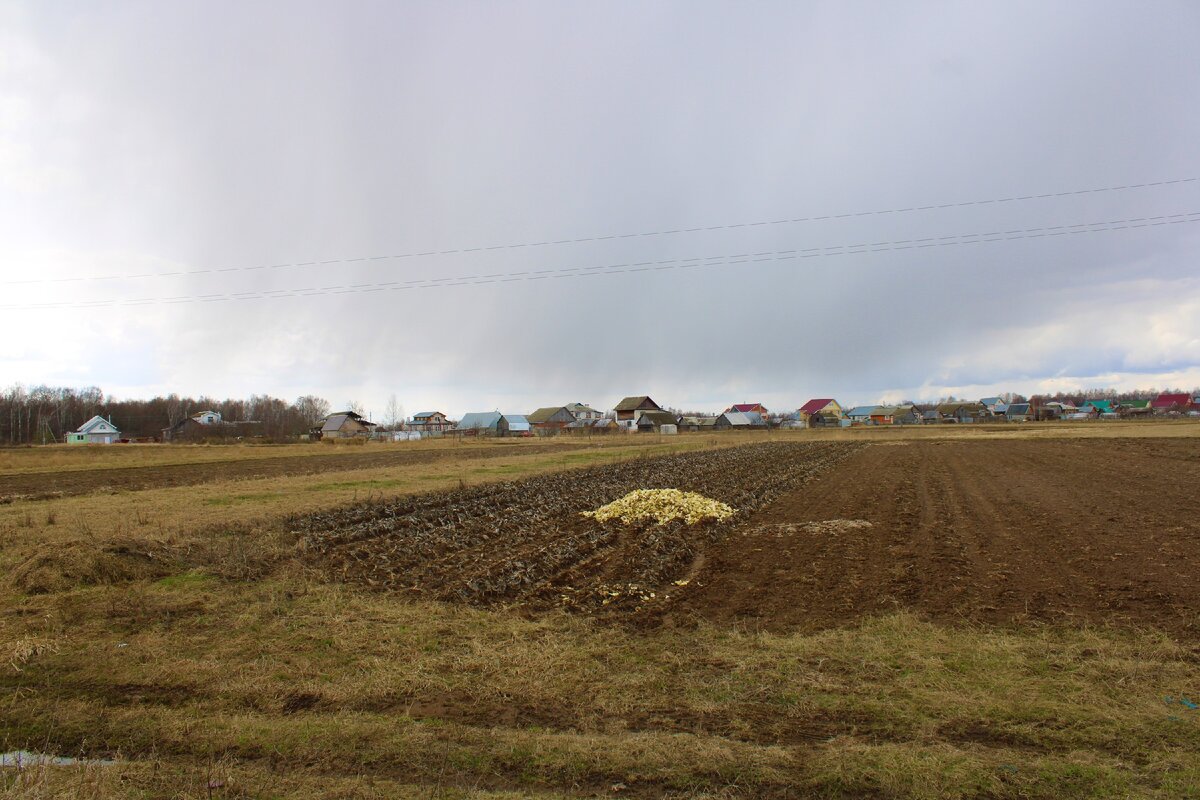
column 582, row 411
column 344, row 425
column 739, row 420
column 994, row 405
column 1167, row 402
column 96, row 430
column 1096, row 407
column 860, row 415
column 757, row 408
column 629, row 409
column 696, row 424
column 430, row 421
column 551, row 419
column 903, row 414
column 961, row 412
column 1018, row 412
column 820, row 411
column 208, row 425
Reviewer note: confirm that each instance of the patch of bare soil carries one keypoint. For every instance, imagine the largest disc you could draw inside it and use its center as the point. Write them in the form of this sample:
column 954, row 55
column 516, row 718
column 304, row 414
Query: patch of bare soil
column 527, row 542
column 49, row 485
column 994, row 531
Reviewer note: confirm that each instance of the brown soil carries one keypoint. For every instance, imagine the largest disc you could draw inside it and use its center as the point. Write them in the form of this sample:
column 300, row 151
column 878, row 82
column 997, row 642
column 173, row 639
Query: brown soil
column 990, row 531
column 48, row 485
column 527, row 542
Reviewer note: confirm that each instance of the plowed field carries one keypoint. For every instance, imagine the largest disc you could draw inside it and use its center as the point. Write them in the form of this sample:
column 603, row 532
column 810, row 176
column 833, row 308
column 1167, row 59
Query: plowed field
column 527, row 541
column 1001, row 532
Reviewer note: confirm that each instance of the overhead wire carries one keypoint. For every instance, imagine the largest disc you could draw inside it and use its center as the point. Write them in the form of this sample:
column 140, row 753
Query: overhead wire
column 596, row 238
column 695, row 262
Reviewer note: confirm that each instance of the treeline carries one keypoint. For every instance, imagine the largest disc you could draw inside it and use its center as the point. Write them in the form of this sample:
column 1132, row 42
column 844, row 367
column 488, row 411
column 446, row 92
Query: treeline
column 38, row 414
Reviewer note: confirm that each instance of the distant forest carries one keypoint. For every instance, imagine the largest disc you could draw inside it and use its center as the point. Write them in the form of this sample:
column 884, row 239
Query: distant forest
column 39, row 414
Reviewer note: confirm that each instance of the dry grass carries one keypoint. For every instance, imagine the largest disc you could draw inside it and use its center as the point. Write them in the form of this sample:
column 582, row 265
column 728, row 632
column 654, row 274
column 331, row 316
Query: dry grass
column 221, row 667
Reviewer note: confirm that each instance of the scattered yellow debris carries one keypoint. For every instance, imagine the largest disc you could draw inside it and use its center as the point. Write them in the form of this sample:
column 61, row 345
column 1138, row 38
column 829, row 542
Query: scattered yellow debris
column 662, row 505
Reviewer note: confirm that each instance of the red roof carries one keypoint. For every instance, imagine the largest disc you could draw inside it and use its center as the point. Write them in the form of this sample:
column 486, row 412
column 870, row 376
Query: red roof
column 744, row 407
column 813, row 406
column 1168, row 400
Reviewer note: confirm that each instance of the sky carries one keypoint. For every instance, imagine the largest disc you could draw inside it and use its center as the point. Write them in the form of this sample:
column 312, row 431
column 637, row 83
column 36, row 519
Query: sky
column 478, row 206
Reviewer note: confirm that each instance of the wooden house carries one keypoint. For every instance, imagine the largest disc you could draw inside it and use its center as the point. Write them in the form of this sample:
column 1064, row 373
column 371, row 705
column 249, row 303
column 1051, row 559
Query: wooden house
column 629, row 409
column 551, row 419
column 345, row 425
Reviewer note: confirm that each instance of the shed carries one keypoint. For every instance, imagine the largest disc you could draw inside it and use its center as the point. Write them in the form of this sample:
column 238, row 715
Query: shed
column 513, row 425
column 651, row 421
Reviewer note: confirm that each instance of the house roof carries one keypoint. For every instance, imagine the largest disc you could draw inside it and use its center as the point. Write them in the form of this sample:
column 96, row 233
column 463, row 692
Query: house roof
column 580, row 408
column 426, row 414
column 1017, row 408
column 746, row 407
column 634, row 403
column 990, row 401
column 1099, row 405
column 813, row 406
column 736, row 418
column 1135, row 403
column 861, row 411
column 544, row 414
column 478, row 420
column 657, row 418
column 94, row 423
column 517, row 422
column 954, row 408
column 1165, row 400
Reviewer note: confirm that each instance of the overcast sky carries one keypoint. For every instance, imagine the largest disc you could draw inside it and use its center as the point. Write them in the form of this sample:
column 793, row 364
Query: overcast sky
column 239, row 143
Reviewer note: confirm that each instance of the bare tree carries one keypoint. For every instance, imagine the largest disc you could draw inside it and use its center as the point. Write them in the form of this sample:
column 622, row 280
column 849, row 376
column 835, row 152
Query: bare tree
column 394, row 415
column 311, row 409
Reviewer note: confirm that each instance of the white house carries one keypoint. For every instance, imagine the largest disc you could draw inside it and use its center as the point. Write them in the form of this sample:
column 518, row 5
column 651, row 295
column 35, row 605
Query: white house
column 96, row 430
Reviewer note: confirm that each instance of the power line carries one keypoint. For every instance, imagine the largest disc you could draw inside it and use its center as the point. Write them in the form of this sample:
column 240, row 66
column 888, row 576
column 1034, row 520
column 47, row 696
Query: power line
column 695, row 262
column 547, row 243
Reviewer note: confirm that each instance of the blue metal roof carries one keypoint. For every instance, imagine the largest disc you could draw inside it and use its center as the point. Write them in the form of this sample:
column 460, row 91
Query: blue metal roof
column 478, row 420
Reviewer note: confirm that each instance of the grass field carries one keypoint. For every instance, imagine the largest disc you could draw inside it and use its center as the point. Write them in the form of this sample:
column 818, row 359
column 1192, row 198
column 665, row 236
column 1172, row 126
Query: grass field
column 190, row 634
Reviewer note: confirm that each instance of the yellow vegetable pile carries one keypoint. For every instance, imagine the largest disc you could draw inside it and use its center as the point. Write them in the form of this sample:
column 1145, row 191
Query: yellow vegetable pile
column 662, row 505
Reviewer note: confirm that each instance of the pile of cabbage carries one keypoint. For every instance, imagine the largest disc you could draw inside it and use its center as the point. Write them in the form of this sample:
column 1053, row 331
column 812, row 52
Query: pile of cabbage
column 662, row 506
